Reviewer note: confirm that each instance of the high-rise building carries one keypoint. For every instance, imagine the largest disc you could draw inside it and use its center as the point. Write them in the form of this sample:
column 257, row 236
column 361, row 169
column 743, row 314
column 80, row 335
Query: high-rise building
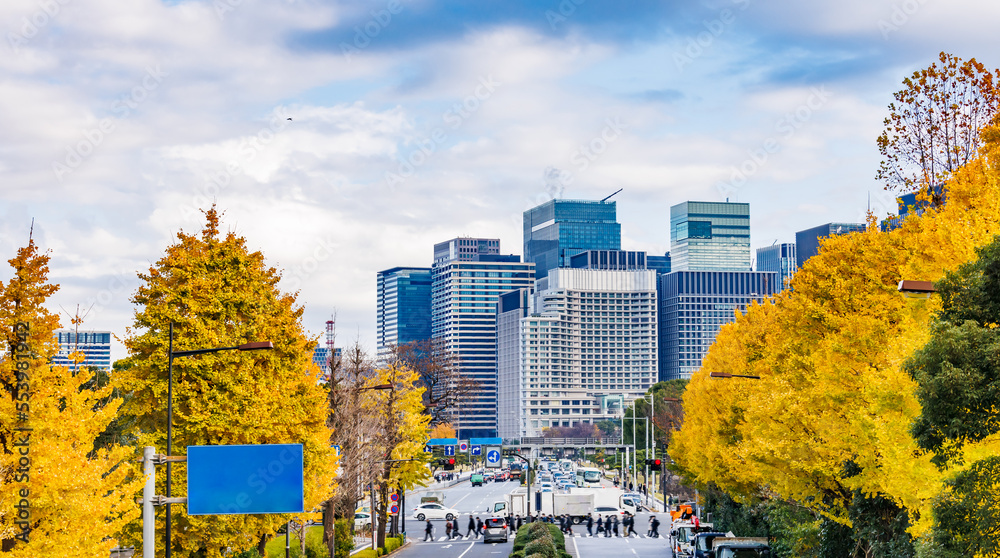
column 710, row 236
column 559, row 229
column 404, row 307
column 807, row 241
column 511, row 308
column 94, row 345
column 587, row 347
column 464, row 292
column 659, row 264
column 779, row 258
column 321, row 358
column 693, row 307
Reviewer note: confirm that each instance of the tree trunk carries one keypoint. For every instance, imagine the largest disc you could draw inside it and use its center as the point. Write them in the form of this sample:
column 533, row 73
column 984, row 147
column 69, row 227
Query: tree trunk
column 261, row 544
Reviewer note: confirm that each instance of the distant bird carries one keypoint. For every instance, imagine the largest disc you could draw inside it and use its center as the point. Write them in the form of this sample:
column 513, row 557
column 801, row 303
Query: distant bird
column 289, row 118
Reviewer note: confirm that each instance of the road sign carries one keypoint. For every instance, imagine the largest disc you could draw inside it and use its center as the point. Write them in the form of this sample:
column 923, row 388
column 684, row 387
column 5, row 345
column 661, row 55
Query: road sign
column 463, row 446
column 449, row 450
column 428, row 449
column 394, row 497
column 486, row 441
column 336, row 450
column 244, row 479
column 493, row 457
column 476, row 450
column 442, row 441
column 394, row 509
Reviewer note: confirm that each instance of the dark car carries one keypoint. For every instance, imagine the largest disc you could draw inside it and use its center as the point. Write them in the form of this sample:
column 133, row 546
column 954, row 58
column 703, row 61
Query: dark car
column 702, row 543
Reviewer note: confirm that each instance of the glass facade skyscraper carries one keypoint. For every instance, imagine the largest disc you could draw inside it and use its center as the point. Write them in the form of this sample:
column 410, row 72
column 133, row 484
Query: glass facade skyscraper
column 403, row 313
column 807, row 241
column 779, row 258
column 464, row 297
column 95, row 346
column 511, row 308
column 559, row 229
column 693, row 307
column 710, row 236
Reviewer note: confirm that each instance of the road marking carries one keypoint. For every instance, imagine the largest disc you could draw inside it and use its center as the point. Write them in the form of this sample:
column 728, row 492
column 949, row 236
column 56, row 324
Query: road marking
column 467, row 550
column 576, row 548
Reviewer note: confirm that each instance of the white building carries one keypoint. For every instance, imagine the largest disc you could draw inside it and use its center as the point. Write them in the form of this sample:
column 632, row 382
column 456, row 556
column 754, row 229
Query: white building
column 588, row 346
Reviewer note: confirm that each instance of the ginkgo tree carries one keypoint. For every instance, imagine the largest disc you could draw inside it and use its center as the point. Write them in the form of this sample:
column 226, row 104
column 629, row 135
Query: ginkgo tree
column 830, row 418
column 61, row 495
column 219, row 293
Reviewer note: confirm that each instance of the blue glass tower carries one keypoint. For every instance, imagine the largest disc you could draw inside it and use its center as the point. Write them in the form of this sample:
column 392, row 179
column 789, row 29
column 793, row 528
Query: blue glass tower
column 779, row 258
column 94, row 345
column 710, row 236
column 807, row 241
column 557, row 230
column 404, row 306
column 694, row 305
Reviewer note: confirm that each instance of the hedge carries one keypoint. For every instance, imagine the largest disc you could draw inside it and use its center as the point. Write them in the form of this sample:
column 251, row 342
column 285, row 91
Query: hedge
column 539, row 540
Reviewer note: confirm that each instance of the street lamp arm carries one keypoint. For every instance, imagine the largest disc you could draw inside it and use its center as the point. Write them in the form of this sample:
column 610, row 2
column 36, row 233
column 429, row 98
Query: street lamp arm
column 255, row 346
column 728, row 375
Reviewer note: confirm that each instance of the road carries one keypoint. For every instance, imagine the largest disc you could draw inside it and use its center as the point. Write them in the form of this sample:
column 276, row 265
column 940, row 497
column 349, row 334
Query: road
column 473, row 501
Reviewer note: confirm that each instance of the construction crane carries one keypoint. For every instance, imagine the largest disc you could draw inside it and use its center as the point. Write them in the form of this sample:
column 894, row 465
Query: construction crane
column 609, row 197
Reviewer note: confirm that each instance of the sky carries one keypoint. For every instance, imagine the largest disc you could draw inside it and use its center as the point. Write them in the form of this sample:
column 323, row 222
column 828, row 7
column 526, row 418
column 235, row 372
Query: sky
column 345, row 138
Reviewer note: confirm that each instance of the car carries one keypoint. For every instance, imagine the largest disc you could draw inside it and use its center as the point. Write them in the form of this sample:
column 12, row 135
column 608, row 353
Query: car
column 433, row 510
column 702, row 543
column 476, row 479
column 362, row 521
column 605, row 510
column 495, row 530
column 488, row 476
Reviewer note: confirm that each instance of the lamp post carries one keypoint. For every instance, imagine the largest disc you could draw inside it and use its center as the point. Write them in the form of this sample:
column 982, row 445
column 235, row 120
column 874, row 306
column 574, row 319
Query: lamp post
column 171, row 354
column 728, row 375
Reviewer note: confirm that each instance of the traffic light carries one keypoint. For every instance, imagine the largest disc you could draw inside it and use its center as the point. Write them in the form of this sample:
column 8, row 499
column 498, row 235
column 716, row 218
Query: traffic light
column 655, row 464
column 449, row 464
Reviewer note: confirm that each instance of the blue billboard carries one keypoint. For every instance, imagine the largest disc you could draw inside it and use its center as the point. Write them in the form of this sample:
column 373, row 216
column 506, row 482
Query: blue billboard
column 245, row 479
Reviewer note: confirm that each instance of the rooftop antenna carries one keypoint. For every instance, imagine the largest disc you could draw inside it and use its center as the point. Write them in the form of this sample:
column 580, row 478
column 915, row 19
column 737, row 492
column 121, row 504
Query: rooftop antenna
column 609, row 197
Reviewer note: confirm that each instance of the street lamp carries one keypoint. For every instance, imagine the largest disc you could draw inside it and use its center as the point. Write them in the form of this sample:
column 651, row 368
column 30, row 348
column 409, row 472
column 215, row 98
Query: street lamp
column 171, row 353
column 728, row 375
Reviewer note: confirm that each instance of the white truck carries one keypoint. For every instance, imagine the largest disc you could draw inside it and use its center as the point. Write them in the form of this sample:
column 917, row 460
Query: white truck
column 577, row 506
column 611, row 497
column 577, row 503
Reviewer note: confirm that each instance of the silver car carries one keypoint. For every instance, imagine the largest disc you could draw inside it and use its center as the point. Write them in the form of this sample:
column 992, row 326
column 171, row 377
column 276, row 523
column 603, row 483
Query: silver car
column 495, row 530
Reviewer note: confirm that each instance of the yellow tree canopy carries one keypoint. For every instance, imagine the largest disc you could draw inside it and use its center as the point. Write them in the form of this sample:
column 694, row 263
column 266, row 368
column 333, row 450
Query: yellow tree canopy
column 833, row 408
column 60, row 495
column 219, row 294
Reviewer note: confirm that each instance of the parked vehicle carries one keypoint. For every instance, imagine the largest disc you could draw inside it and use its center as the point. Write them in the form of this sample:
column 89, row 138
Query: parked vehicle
column 495, row 530
column 684, row 533
column 363, row 521
column 740, row 547
column 702, row 543
column 433, row 511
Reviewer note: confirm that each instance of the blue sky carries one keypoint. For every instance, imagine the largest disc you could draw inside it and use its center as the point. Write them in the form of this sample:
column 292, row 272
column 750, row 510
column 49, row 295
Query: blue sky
column 415, row 121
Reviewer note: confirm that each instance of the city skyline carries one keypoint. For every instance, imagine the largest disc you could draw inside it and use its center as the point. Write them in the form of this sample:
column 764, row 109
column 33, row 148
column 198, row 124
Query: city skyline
column 344, row 139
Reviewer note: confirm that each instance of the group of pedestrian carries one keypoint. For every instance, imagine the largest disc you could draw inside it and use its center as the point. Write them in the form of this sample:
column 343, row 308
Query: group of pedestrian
column 452, row 530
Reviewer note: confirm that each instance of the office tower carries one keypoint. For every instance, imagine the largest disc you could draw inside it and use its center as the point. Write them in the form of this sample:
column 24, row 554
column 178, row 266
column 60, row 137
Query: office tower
column 695, row 304
column 465, row 287
column 95, row 346
column 511, row 308
column 710, row 236
column 588, row 345
column 779, row 258
column 807, row 241
column 321, row 358
column 659, row 264
column 558, row 229
column 403, row 307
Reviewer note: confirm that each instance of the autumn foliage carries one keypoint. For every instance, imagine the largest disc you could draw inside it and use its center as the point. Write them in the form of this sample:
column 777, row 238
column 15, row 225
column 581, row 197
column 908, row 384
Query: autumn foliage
column 832, row 414
column 61, row 495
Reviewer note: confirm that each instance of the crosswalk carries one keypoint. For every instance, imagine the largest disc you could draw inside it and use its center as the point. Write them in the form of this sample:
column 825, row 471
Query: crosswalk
column 575, row 535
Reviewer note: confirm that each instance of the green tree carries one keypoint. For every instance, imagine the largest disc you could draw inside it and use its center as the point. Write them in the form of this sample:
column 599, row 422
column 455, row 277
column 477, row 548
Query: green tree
column 218, row 293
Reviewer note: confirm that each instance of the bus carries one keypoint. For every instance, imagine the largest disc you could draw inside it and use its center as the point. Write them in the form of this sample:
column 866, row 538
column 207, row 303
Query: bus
column 588, row 477
column 566, row 466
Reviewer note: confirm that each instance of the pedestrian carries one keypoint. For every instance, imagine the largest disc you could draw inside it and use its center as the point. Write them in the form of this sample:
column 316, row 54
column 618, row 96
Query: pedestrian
column 656, row 527
column 479, row 527
column 428, row 530
column 518, row 521
column 631, row 526
column 600, row 525
column 590, row 525
column 569, row 525
column 631, row 486
column 472, row 527
column 649, row 530
column 614, row 525
column 447, row 529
